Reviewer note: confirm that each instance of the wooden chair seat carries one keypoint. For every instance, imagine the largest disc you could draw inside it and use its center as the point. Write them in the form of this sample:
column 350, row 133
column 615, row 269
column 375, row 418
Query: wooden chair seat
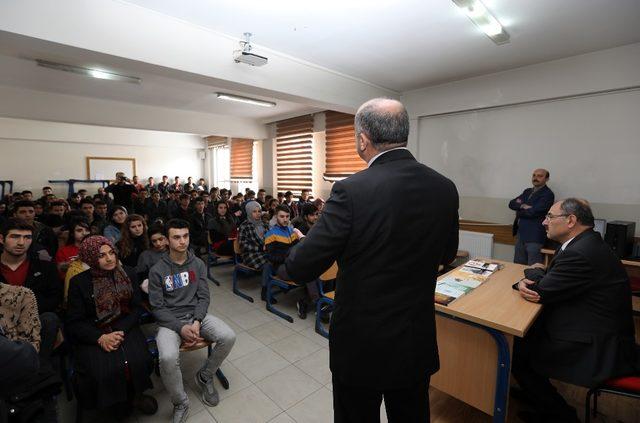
column 462, row 254
column 283, row 281
column 331, row 295
column 196, row 346
column 246, row 267
column 219, row 257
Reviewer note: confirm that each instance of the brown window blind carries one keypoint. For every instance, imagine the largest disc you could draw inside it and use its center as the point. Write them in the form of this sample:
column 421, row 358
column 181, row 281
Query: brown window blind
column 241, row 157
column 294, row 150
column 214, row 140
column 342, row 160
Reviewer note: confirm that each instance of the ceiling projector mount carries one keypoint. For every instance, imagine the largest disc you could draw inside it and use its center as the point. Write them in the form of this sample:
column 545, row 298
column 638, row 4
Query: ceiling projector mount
column 244, row 55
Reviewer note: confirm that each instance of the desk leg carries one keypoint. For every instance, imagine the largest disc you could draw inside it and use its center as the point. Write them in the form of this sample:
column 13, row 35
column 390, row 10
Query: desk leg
column 502, row 376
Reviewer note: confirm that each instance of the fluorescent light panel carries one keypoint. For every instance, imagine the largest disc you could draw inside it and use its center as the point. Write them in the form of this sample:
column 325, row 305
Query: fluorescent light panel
column 240, row 99
column 94, row 73
column 483, row 19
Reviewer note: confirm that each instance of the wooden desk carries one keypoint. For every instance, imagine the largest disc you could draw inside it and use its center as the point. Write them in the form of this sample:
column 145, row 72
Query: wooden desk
column 631, row 266
column 475, row 341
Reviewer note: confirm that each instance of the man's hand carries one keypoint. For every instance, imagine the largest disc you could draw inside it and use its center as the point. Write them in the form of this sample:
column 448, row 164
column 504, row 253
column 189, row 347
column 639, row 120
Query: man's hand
column 526, row 293
column 298, row 232
column 191, row 334
column 538, row 266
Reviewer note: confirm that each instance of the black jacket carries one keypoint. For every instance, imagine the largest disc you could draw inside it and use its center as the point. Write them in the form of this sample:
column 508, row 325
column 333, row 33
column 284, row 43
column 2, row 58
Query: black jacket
column 383, row 332
column 42, row 279
column 198, row 224
column 584, row 334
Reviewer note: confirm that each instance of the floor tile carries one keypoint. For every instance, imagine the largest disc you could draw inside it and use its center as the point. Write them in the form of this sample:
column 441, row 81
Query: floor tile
column 295, row 347
column 282, row 418
column 288, row 386
column 244, row 345
column 316, row 408
column 271, row 332
column 250, row 405
column 316, row 365
column 250, row 319
column 260, row 364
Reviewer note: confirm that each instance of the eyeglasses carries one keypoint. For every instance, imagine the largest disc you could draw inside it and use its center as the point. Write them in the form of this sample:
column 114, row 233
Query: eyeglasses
column 553, row 216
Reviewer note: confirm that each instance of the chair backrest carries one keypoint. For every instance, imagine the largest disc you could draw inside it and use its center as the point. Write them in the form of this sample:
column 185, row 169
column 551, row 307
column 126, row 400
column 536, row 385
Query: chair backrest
column 331, row 273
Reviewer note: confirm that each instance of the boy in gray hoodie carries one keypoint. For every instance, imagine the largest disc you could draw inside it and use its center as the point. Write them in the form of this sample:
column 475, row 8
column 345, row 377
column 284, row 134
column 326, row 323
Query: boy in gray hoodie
column 179, row 298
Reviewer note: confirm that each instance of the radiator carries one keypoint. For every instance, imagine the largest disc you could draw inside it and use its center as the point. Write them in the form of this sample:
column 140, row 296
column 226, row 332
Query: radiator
column 478, row 244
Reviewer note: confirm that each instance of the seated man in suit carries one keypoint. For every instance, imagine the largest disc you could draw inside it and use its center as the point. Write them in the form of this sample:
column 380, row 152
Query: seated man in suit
column 584, row 334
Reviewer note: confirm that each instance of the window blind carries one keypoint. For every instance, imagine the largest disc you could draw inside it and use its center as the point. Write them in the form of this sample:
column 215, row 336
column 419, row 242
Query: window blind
column 342, row 159
column 294, row 151
column 241, row 159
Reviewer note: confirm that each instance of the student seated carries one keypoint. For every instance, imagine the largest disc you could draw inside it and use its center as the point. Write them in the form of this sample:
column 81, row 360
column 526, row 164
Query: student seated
column 183, row 211
column 43, row 235
column 156, row 208
column 198, row 222
column 149, row 257
column 251, row 237
column 113, row 231
column 179, row 298
column 133, row 240
column 78, row 230
column 308, row 217
column 101, row 219
column 112, row 362
column 222, row 227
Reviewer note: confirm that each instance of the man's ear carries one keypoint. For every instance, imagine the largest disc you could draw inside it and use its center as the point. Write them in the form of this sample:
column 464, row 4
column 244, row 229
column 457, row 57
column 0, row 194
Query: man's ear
column 1, row 239
column 364, row 141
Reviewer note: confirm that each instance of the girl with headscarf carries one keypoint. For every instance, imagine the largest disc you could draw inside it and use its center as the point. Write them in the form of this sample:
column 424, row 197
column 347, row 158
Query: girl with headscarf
column 112, row 362
column 251, row 236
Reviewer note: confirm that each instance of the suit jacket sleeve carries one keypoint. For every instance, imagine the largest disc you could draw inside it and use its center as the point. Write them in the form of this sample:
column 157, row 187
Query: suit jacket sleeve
column 514, row 205
column 540, row 206
column 451, row 246
column 570, row 275
column 325, row 243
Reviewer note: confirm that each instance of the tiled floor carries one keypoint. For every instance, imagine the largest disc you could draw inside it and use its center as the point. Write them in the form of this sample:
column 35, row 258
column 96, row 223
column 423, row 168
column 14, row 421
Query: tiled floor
column 279, row 372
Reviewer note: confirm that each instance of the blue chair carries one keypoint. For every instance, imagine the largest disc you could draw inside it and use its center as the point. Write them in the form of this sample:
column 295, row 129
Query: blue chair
column 283, row 286
column 241, row 268
column 326, row 298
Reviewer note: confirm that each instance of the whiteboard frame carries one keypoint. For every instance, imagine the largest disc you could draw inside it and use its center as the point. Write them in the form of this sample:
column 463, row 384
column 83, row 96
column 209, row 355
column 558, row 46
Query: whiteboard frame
column 127, row 159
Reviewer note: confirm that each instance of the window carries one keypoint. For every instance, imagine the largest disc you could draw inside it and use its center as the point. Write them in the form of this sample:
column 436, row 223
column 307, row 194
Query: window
column 342, row 159
column 220, row 166
column 241, row 159
column 294, row 150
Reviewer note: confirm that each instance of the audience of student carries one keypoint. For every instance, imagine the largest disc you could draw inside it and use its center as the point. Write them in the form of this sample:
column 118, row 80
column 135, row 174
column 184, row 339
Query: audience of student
column 136, row 184
column 251, row 238
column 74, row 201
column 45, row 240
column 156, row 209
column 261, row 197
column 183, row 212
column 202, row 186
column 198, row 223
column 133, row 240
column 113, row 231
column 151, row 185
column 112, row 361
column 78, row 230
column 189, row 185
column 140, row 203
column 179, row 298
column 308, row 217
column 288, row 201
column 176, row 186
column 319, row 203
column 122, row 190
column 149, row 257
column 222, row 227
column 101, row 219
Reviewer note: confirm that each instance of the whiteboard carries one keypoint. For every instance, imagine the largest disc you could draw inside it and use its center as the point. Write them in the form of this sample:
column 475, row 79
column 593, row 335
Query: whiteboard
column 590, row 145
column 107, row 167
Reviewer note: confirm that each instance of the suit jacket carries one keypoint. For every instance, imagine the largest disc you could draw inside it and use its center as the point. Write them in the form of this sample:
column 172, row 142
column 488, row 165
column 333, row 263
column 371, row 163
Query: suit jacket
column 383, row 331
column 528, row 223
column 584, row 334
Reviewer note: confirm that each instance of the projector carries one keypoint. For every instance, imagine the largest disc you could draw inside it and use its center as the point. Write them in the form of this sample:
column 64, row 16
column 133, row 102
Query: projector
column 252, row 59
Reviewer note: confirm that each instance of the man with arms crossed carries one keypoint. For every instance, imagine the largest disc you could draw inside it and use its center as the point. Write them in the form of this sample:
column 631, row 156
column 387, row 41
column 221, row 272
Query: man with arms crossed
column 383, row 334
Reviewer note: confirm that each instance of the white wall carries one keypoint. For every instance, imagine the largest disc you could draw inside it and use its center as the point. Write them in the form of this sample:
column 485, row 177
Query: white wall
column 32, row 152
column 590, row 143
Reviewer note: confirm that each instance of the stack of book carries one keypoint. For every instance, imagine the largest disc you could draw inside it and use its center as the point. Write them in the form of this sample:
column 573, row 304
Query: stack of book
column 464, row 280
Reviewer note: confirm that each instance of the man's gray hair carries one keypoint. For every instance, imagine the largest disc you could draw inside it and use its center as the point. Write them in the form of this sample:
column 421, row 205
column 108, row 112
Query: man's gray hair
column 580, row 209
column 383, row 127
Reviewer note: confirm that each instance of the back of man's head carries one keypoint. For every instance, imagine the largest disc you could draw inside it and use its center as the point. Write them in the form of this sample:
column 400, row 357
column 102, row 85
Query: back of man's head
column 384, row 121
column 580, row 208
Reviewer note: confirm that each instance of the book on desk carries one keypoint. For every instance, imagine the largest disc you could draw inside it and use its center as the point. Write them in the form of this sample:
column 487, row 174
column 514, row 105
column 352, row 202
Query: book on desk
column 463, row 280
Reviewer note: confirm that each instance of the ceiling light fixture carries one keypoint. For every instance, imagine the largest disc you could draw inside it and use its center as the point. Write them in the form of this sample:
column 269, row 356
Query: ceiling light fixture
column 240, row 99
column 94, row 73
column 483, row 19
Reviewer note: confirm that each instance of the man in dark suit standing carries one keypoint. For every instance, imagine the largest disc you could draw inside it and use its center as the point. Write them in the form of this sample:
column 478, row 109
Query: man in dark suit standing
column 531, row 207
column 584, row 334
column 383, row 335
